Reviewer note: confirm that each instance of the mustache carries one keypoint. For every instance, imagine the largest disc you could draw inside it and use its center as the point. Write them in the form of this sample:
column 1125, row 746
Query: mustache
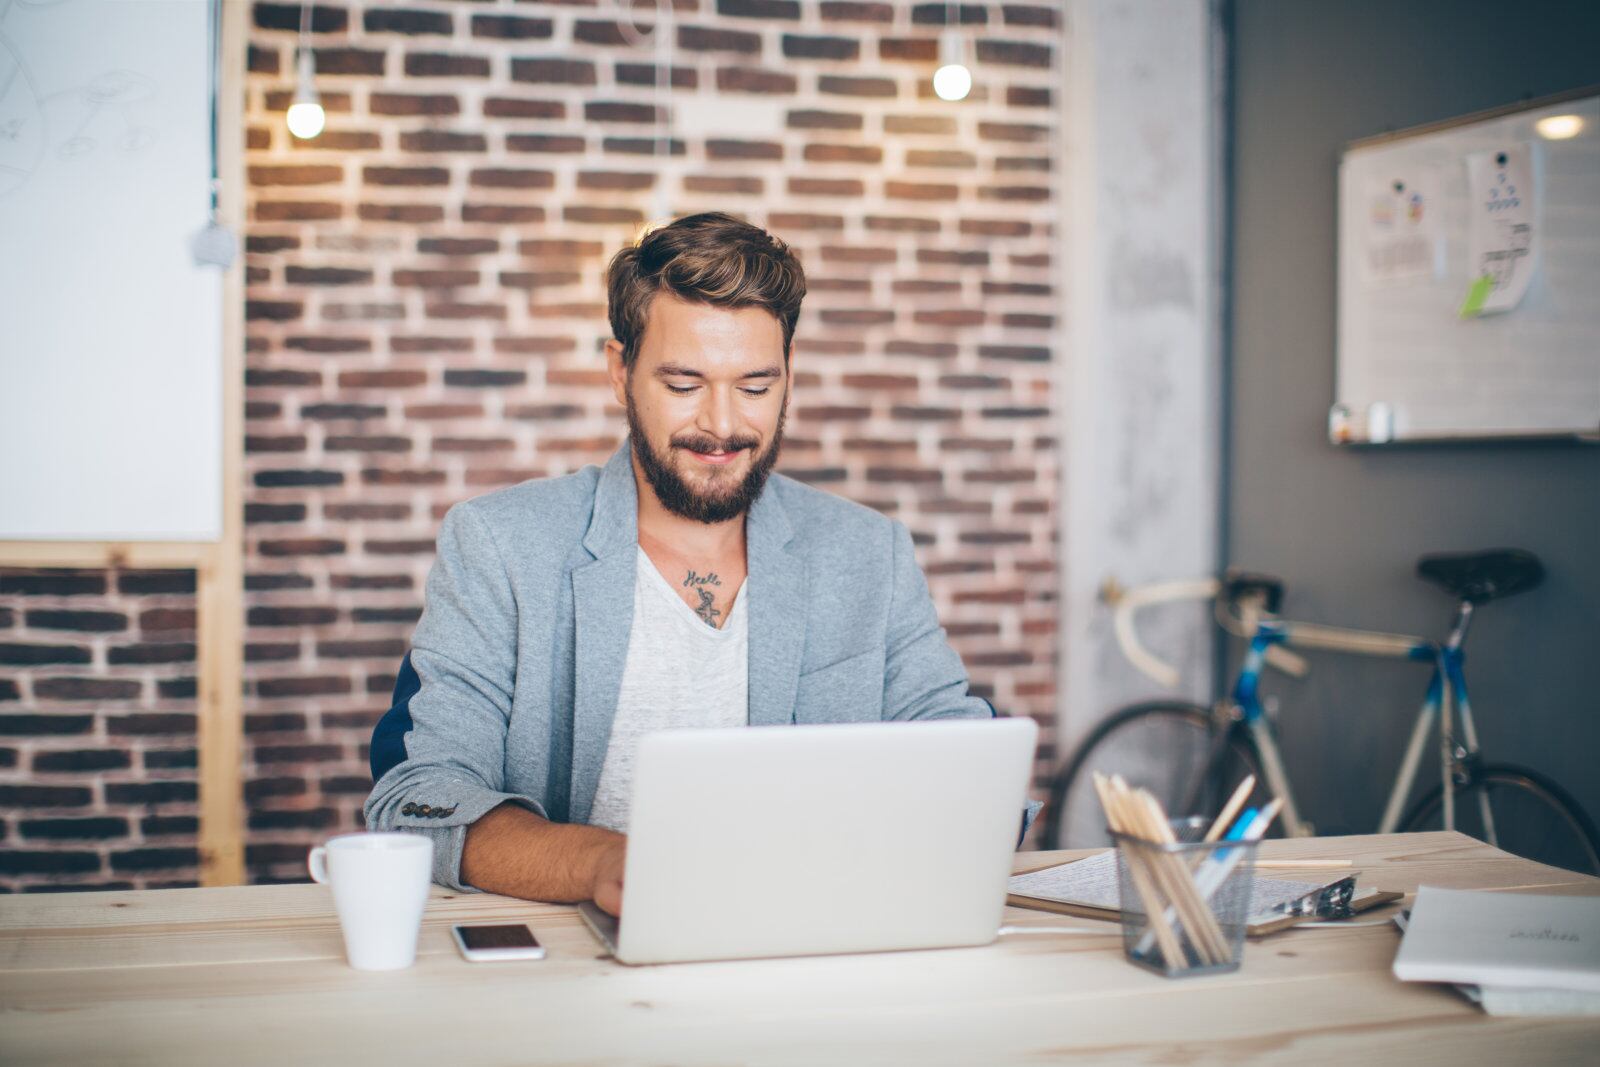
column 704, row 443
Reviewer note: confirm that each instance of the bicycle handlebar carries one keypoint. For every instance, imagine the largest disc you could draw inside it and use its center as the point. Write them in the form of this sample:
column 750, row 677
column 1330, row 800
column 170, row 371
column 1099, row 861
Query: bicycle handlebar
column 1125, row 602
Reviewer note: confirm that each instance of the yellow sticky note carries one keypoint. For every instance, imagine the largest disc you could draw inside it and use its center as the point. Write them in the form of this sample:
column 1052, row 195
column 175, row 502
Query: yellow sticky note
column 1477, row 293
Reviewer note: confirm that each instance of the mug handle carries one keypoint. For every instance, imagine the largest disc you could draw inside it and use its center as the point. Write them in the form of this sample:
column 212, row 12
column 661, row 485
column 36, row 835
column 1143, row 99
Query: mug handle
column 317, row 864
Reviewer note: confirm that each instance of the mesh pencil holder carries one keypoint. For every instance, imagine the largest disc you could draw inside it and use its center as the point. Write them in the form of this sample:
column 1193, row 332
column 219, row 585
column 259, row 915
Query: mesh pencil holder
column 1185, row 905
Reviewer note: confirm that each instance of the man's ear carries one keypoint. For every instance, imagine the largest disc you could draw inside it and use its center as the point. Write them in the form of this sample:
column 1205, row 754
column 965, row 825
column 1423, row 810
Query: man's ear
column 617, row 371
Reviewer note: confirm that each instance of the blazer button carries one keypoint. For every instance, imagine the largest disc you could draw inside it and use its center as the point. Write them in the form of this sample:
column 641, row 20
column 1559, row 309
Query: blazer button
column 409, row 809
column 423, row 809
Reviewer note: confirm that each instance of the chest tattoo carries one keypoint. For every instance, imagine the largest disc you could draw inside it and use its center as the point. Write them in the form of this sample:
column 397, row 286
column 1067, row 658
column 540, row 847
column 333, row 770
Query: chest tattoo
column 707, row 609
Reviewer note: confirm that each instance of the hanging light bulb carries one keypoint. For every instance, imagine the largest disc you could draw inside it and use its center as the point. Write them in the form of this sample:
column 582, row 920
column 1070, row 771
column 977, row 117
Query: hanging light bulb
column 306, row 117
column 952, row 81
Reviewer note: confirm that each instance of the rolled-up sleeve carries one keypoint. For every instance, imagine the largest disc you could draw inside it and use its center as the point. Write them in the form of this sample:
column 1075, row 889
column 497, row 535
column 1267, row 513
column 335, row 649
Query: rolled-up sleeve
column 453, row 729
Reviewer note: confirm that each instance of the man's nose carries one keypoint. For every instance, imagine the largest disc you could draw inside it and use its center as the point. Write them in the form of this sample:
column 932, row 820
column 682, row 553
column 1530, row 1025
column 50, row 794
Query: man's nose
column 716, row 412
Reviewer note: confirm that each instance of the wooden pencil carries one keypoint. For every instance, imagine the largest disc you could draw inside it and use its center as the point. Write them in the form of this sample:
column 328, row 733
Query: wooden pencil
column 1140, row 876
column 1231, row 808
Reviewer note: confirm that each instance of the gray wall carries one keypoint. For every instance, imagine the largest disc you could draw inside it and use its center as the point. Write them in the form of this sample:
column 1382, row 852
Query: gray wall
column 1344, row 528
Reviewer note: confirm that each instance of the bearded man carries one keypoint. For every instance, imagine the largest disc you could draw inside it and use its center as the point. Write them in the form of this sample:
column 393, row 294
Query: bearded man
column 681, row 585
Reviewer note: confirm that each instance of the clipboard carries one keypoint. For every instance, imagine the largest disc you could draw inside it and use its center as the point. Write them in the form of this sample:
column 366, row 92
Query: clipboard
column 1335, row 899
column 1364, row 900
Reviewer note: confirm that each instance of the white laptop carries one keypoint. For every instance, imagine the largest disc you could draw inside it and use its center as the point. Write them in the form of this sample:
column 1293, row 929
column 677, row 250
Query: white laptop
column 803, row 840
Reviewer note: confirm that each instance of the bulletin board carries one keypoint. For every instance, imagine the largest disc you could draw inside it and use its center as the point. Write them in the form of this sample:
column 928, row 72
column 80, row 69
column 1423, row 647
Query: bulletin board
column 111, row 401
column 1469, row 278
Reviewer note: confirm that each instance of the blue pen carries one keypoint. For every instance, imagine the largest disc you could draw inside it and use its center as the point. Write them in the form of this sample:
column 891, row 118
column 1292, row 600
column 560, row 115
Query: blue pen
column 1240, row 827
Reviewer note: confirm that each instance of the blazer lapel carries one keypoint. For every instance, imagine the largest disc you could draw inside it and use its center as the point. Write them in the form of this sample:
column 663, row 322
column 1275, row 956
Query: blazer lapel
column 602, row 595
column 777, row 619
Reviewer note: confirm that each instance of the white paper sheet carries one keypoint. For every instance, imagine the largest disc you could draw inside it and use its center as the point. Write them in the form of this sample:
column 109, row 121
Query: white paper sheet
column 1502, row 231
column 1092, row 883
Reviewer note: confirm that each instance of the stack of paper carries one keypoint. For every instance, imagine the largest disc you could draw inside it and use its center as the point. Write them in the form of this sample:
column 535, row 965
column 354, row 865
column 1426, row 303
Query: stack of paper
column 1513, row 953
column 1089, row 888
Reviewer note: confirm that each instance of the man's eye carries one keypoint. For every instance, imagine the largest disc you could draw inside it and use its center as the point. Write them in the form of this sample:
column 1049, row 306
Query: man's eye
column 681, row 390
column 760, row 391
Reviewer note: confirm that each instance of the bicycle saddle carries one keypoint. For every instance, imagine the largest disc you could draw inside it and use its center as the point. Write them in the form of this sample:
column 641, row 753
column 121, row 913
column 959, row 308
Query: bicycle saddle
column 1481, row 576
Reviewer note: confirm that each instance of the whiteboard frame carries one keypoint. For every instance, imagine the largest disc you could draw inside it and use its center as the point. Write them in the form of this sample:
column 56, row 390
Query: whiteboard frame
column 1577, row 435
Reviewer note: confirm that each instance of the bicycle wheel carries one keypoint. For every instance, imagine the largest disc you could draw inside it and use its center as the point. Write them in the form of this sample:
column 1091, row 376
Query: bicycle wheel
column 1533, row 817
column 1169, row 747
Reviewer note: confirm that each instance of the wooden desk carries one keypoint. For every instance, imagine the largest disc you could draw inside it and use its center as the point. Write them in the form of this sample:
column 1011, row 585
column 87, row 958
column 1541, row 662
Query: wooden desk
column 257, row 975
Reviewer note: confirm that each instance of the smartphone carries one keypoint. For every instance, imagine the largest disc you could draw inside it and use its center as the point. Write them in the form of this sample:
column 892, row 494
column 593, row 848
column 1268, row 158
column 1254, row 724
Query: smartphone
column 486, row 943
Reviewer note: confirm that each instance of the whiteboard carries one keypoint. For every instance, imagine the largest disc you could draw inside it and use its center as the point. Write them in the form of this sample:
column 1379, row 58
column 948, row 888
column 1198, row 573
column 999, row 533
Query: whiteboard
column 1439, row 225
column 110, row 336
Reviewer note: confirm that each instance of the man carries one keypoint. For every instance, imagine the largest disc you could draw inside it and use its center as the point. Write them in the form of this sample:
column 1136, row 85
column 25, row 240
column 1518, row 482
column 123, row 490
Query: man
column 681, row 585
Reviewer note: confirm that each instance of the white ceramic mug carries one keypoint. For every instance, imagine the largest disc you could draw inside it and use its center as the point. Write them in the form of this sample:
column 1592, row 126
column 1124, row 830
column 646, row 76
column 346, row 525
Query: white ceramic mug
column 380, row 887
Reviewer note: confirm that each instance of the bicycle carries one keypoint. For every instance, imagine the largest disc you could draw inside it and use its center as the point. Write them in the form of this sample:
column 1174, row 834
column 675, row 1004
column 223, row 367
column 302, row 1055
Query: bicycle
column 1192, row 757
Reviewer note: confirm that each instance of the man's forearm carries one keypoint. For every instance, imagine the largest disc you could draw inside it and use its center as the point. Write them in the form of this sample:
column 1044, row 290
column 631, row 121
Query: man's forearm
column 515, row 852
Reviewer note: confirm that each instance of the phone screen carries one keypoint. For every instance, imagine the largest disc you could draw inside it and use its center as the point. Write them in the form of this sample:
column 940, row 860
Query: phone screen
column 509, row 936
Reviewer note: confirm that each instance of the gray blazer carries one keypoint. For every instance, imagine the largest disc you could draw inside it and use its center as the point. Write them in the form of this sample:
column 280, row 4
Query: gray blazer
column 518, row 656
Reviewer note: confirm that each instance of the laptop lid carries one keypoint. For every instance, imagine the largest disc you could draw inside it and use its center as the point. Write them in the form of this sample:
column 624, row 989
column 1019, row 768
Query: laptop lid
column 804, row 840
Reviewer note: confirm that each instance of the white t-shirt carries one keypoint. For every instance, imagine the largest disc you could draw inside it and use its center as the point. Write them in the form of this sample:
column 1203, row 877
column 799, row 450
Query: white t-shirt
column 679, row 673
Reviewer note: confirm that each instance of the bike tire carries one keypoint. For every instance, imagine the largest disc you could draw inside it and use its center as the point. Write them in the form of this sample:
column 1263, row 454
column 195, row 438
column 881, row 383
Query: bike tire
column 1534, row 817
column 1159, row 745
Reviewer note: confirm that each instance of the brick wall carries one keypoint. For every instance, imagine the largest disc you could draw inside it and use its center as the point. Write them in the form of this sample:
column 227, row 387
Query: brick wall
column 425, row 315
column 97, row 729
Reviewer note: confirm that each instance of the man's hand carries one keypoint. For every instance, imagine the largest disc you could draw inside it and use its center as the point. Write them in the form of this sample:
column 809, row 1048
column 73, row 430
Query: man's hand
column 511, row 850
column 608, row 876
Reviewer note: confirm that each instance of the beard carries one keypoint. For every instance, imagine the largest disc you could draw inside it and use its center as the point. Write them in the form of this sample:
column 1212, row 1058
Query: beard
column 717, row 503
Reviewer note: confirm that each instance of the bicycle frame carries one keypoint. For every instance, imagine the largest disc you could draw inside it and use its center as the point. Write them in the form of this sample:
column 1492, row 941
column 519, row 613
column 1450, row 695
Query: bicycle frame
column 1445, row 702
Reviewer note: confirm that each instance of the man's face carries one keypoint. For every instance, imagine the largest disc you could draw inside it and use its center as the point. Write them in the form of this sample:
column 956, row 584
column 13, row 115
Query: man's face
column 706, row 399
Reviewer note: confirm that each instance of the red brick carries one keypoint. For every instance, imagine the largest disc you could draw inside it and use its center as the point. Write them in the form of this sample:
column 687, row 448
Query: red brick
column 712, row 183
column 718, row 148
column 754, row 80
column 715, row 39
column 849, row 11
column 400, row 212
column 914, row 49
column 511, row 178
column 405, row 175
column 303, row 174
column 511, row 27
column 443, row 141
column 443, row 65
column 554, row 71
column 632, row 180
column 410, row 23
column 501, row 213
column 797, row 46
column 505, row 107
column 413, row 104
column 842, row 85
column 359, row 61
column 294, row 211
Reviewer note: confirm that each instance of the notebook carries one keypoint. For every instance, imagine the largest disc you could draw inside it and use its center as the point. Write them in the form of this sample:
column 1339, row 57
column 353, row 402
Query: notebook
column 1502, row 941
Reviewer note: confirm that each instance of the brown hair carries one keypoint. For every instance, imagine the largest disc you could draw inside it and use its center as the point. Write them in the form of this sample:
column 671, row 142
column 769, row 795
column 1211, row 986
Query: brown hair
column 711, row 258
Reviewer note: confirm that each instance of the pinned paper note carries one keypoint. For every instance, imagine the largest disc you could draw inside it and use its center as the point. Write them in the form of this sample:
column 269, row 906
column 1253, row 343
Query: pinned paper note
column 1400, row 229
column 1502, row 228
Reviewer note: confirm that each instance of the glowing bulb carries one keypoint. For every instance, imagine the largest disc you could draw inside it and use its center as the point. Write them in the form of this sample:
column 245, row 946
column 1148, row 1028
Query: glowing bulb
column 952, row 81
column 1559, row 127
column 306, row 120
column 306, row 117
